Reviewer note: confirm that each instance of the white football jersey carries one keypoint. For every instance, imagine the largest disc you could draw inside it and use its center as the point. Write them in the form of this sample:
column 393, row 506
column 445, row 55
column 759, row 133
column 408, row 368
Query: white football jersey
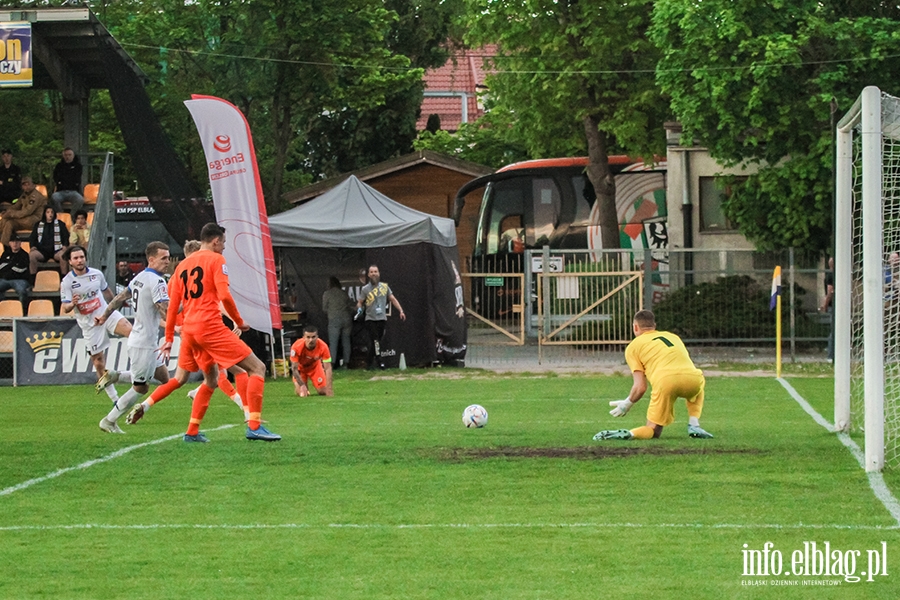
column 148, row 289
column 86, row 291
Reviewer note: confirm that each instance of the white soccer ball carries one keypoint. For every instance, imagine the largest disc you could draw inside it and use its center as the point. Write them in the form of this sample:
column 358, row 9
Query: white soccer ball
column 474, row 416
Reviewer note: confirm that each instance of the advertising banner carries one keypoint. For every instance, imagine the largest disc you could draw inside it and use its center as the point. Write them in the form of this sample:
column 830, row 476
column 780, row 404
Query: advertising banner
column 240, row 209
column 53, row 352
column 15, row 54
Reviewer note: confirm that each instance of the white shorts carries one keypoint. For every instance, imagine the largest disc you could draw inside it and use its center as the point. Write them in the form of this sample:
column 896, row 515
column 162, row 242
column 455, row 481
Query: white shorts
column 144, row 362
column 97, row 336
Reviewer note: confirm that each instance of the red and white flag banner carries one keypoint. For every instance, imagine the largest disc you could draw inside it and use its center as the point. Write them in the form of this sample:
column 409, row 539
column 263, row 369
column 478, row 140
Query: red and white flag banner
column 240, row 209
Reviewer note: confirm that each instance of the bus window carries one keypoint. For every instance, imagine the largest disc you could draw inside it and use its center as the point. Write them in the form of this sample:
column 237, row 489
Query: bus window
column 506, row 199
column 545, row 199
column 512, row 234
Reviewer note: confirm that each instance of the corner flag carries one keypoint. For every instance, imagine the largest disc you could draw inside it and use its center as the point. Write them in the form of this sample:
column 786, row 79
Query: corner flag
column 776, row 288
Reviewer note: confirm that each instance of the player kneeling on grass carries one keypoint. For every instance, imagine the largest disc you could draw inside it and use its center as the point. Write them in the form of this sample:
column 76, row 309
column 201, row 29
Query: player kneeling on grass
column 660, row 358
column 311, row 364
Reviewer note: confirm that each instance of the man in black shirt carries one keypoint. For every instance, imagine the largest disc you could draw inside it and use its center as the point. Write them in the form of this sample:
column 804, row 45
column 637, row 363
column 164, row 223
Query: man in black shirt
column 10, row 180
column 67, row 183
column 14, row 271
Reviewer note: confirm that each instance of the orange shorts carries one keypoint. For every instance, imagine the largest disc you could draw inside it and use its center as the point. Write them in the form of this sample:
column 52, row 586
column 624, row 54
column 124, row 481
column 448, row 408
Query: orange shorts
column 314, row 375
column 214, row 346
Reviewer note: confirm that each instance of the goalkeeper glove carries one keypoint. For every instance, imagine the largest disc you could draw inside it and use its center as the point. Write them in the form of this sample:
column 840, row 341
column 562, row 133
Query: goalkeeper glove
column 621, row 407
column 359, row 313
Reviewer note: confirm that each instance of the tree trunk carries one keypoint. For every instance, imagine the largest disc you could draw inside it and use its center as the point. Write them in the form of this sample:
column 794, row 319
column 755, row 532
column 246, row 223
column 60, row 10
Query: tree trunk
column 604, row 182
column 282, row 114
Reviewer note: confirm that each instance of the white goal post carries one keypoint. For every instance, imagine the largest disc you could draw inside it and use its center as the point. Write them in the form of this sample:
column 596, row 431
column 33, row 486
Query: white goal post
column 867, row 276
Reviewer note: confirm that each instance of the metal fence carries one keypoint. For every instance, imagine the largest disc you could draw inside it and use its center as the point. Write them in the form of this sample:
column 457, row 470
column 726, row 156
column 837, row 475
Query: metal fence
column 580, row 310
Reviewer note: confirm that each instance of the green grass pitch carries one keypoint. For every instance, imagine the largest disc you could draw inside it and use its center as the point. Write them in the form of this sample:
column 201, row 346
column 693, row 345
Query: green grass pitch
column 380, row 492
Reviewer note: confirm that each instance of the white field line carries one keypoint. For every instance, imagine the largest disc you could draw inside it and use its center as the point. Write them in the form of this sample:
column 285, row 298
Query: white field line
column 876, row 481
column 398, row 526
column 96, row 461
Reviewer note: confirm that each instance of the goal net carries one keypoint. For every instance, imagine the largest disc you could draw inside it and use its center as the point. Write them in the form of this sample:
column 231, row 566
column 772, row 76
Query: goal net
column 867, row 276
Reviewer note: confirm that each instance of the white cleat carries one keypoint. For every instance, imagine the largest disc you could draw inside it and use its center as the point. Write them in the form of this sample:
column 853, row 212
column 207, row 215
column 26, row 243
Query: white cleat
column 109, row 426
column 192, row 393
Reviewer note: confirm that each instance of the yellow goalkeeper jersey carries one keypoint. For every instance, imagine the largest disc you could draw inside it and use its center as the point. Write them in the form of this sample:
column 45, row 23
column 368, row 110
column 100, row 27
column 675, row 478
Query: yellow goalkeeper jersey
column 659, row 354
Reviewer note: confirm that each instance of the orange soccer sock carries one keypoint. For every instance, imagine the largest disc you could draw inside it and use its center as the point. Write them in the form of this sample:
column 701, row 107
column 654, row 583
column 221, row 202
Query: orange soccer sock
column 642, row 433
column 198, row 409
column 255, row 386
column 162, row 391
column 240, row 381
column 224, row 384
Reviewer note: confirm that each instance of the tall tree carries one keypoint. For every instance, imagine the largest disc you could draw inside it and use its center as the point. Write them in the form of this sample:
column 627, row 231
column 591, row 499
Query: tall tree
column 578, row 75
column 756, row 80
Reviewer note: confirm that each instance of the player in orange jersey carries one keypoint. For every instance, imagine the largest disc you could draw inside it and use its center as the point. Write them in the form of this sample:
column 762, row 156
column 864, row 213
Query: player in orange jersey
column 311, row 363
column 181, row 376
column 198, row 285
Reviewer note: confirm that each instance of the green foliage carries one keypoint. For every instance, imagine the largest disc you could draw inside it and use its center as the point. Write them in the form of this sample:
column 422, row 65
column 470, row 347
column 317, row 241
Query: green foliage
column 567, row 61
column 736, row 306
column 484, row 142
column 755, row 81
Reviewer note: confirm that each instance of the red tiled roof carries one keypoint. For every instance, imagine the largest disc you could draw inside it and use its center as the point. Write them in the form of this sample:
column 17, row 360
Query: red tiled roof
column 463, row 73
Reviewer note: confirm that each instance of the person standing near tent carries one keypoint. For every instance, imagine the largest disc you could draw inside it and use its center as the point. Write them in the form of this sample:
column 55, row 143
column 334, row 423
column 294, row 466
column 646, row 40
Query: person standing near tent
column 336, row 305
column 374, row 297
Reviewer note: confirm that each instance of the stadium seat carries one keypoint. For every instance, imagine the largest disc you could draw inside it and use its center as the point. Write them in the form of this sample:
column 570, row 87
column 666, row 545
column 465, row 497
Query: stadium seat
column 10, row 309
column 91, row 191
column 46, row 281
column 90, row 218
column 6, row 342
column 65, row 218
column 26, row 246
column 41, row 308
column 42, row 189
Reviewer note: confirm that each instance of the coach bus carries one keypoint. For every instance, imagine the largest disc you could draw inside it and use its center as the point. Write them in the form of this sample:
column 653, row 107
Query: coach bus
column 551, row 202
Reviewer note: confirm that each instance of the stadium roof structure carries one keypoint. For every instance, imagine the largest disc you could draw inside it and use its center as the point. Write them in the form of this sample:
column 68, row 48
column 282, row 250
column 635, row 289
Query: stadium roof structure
column 67, row 45
column 73, row 52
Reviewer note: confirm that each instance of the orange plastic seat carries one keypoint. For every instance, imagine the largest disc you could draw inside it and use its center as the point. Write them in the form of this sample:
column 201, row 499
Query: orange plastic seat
column 91, row 191
column 41, row 308
column 46, row 281
column 10, row 309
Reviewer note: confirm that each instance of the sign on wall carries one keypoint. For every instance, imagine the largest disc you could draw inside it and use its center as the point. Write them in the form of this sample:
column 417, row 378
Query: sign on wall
column 15, row 54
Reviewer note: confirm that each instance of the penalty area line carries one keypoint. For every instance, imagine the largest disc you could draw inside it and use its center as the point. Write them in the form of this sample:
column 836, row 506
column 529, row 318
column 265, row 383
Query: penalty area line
column 118, row 453
column 876, row 480
column 399, row 526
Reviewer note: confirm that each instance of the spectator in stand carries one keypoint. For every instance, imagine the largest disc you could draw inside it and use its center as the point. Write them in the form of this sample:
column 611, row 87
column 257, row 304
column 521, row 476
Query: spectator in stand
column 14, row 272
column 24, row 213
column 81, row 233
column 67, row 182
column 124, row 274
column 10, row 180
column 49, row 240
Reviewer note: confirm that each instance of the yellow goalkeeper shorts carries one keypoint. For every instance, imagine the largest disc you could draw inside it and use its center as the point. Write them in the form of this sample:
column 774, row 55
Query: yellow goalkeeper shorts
column 670, row 388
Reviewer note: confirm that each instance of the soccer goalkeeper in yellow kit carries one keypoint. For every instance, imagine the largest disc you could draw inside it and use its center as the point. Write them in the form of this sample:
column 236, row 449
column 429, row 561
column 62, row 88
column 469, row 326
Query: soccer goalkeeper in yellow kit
column 660, row 358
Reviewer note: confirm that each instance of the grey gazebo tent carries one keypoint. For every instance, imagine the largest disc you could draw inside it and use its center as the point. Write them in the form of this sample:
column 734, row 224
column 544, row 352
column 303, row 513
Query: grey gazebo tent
column 352, row 226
